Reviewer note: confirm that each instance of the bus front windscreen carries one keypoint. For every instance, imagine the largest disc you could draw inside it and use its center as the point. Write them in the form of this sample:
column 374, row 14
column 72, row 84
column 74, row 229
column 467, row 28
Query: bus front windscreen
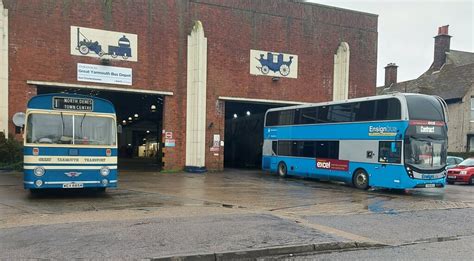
column 77, row 129
column 425, row 153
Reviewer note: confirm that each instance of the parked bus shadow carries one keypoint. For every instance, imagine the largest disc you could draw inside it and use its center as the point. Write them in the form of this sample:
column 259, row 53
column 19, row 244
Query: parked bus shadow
column 68, row 193
column 434, row 193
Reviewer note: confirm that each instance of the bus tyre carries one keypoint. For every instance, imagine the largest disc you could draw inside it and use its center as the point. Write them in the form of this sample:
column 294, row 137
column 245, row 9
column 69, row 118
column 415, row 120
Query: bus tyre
column 361, row 179
column 34, row 192
column 471, row 181
column 282, row 169
column 450, row 182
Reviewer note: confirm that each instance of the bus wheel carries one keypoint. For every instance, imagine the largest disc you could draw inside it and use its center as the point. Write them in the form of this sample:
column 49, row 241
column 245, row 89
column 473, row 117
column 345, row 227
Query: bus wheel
column 100, row 190
column 361, row 179
column 282, row 169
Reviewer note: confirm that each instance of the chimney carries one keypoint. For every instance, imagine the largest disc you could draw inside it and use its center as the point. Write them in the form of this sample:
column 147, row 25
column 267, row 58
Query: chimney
column 390, row 74
column 442, row 41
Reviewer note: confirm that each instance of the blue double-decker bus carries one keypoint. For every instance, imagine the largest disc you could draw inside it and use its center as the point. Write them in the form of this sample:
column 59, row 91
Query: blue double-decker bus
column 70, row 142
column 394, row 141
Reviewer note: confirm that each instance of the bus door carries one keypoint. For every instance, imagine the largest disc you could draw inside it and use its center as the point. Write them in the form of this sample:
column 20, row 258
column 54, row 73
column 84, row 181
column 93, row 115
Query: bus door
column 274, row 158
column 387, row 171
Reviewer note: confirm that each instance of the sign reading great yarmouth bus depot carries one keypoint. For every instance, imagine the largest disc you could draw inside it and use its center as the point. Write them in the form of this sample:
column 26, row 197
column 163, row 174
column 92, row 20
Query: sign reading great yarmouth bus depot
column 273, row 64
column 106, row 44
column 104, row 74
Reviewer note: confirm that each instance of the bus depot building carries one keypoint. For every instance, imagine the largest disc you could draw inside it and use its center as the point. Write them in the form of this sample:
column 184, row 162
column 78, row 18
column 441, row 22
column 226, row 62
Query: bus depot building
column 191, row 80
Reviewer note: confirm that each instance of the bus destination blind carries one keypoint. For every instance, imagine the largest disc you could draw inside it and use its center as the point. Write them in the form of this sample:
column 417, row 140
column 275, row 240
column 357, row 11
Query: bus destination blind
column 72, row 104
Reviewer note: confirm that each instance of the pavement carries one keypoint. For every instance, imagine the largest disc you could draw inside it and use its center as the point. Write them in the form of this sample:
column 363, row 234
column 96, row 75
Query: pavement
column 230, row 214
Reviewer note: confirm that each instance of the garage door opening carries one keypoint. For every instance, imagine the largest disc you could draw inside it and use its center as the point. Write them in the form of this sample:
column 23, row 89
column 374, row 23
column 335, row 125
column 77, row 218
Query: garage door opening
column 243, row 136
column 139, row 125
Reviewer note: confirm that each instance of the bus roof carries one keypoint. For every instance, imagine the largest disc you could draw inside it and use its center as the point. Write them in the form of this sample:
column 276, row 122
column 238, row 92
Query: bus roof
column 369, row 98
column 45, row 102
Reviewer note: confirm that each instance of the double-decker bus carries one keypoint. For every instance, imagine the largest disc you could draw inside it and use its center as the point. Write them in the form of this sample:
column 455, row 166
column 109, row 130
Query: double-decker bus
column 394, row 141
column 70, row 142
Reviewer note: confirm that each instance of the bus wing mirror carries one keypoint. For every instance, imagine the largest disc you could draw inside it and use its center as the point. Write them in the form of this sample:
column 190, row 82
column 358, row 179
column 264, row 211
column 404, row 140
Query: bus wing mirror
column 19, row 119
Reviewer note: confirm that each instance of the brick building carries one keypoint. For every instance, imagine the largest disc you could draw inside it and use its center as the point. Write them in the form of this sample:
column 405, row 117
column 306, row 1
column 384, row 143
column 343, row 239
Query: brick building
column 195, row 67
column 450, row 76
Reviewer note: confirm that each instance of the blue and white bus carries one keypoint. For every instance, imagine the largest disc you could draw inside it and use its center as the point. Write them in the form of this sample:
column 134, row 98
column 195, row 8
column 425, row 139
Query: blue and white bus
column 391, row 141
column 70, row 142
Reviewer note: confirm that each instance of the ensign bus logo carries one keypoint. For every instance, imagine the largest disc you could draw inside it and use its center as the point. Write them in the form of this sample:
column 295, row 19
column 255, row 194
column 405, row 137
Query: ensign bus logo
column 382, row 131
column 332, row 164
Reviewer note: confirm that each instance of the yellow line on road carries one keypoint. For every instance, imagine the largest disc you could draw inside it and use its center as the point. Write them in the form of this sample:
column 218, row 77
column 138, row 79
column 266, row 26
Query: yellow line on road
column 328, row 230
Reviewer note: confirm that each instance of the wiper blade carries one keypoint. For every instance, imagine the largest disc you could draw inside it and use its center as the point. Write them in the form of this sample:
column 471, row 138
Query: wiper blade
column 62, row 121
column 82, row 120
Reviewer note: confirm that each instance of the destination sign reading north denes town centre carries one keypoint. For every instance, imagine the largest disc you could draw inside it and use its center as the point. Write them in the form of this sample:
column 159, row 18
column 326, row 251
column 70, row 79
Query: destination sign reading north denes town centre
column 72, row 104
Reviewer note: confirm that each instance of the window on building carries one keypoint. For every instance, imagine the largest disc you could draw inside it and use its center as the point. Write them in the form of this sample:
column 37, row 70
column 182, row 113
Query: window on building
column 470, row 143
column 472, row 108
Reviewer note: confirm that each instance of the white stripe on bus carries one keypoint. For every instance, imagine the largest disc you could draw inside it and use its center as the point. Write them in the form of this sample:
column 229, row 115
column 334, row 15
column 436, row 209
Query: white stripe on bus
column 68, row 167
column 70, row 159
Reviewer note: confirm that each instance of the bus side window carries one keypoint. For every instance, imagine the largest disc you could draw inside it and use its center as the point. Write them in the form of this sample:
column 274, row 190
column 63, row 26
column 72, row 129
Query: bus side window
column 323, row 114
column 389, row 109
column 364, row 111
column 272, row 118
column 390, row 151
column 327, row 149
column 275, row 147
column 308, row 115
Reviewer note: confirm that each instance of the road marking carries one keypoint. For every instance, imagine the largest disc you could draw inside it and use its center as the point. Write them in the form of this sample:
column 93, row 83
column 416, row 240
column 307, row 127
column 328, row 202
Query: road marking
column 328, row 230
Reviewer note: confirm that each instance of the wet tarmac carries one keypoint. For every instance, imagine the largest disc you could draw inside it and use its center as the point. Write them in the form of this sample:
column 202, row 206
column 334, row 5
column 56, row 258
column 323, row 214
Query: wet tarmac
column 229, row 210
column 252, row 190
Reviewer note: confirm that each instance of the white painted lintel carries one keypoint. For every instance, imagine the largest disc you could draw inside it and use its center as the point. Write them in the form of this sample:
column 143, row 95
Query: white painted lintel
column 264, row 101
column 97, row 87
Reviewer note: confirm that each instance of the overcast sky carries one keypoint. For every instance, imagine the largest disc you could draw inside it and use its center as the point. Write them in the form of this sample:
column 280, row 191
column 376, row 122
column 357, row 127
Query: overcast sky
column 406, row 30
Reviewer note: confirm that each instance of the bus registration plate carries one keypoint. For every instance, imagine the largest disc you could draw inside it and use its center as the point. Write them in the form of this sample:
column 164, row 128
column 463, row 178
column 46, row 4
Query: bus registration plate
column 427, row 176
column 73, row 185
column 430, row 185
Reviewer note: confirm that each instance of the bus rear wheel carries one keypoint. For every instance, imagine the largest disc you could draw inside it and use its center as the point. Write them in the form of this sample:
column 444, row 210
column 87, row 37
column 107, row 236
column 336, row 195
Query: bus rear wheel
column 360, row 179
column 282, row 169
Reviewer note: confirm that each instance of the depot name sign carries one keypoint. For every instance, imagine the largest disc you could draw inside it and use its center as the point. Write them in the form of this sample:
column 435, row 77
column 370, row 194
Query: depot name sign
column 104, row 74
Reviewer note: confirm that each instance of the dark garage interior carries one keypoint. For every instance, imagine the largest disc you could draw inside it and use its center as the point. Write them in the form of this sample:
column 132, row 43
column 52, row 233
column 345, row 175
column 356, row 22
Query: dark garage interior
column 243, row 137
column 139, row 125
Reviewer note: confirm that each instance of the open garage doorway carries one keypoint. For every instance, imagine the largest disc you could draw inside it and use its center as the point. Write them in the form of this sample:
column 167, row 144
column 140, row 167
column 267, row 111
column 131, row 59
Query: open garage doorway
column 139, row 125
column 243, row 136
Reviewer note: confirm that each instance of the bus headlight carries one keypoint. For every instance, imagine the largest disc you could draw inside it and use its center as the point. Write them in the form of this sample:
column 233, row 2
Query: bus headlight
column 39, row 171
column 463, row 172
column 39, row 183
column 104, row 171
column 410, row 172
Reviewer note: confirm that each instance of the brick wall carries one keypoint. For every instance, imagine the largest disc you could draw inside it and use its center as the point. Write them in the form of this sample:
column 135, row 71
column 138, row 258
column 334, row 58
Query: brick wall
column 40, row 38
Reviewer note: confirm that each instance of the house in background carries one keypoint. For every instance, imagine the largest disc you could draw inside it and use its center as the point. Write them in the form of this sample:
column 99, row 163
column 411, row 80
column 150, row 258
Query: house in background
column 450, row 76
